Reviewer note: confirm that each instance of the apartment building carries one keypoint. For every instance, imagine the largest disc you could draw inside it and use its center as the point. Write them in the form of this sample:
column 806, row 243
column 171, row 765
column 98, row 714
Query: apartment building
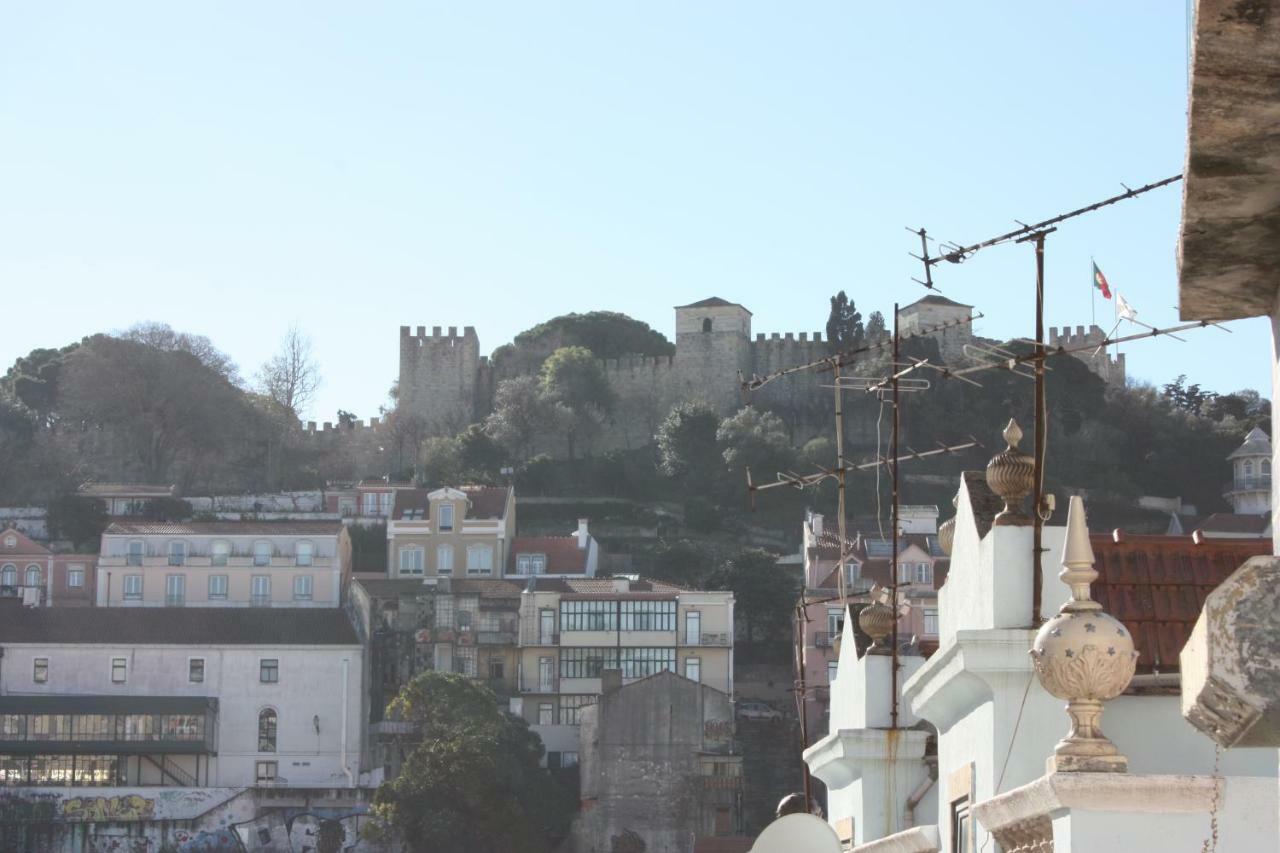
column 366, row 502
column 921, row 566
column 198, row 698
column 31, row 572
column 574, row 629
column 223, row 564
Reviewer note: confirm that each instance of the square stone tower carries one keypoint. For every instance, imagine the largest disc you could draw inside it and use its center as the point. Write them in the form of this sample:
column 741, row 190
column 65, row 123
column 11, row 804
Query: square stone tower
column 713, row 342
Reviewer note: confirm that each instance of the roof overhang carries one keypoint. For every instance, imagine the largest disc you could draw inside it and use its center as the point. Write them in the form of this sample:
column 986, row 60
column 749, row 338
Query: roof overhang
column 1229, row 245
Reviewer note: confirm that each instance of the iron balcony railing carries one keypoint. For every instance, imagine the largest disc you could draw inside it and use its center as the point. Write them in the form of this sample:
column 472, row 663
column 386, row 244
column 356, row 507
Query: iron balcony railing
column 1248, row 484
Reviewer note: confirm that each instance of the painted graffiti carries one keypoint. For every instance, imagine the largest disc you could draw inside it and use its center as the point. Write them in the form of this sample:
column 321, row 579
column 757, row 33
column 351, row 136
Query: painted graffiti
column 120, row 844
column 99, row 809
column 717, row 729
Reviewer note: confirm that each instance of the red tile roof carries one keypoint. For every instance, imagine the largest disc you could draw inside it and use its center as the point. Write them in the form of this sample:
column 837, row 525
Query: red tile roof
column 564, row 557
column 224, row 528
column 483, row 502
column 1156, row 586
column 23, row 546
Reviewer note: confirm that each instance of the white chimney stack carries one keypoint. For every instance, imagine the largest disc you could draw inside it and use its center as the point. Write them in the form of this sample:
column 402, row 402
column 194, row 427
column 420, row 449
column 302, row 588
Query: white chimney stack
column 583, row 536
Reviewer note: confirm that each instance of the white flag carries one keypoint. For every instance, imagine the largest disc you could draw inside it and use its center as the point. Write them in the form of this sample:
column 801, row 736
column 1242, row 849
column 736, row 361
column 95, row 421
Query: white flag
column 1124, row 310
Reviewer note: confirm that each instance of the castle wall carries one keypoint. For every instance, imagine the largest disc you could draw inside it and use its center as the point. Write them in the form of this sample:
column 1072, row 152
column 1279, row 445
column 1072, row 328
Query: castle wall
column 951, row 340
column 439, row 375
column 1101, row 362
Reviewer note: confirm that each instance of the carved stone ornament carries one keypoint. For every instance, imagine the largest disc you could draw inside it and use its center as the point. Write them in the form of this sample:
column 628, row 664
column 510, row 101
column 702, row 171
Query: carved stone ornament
column 1085, row 656
column 947, row 532
column 876, row 621
column 1011, row 475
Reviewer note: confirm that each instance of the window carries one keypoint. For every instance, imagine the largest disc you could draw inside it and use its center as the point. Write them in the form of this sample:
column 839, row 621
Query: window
column 931, row 621
column 132, row 587
column 464, row 660
column 370, row 503
column 831, row 671
column 1266, row 467
column 11, row 541
column 303, row 553
column 9, row 575
column 648, row 615
column 546, row 714
column 410, row 561
column 219, row 552
column 75, row 578
column 961, row 827
column 119, row 666
column 302, row 588
column 266, row 772
column 924, row 573
column 496, row 670
column 217, row 587
column 260, row 590
column 479, row 559
column 135, row 552
column 570, row 706
column 444, row 560
column 40, row 671
column 588, row 615
column 692, row 627
column 706, row 324
column 835, row 621
column 262, row 553
column 445, row 522
column 177, row 553
column 269, row 670
column 1248, row 467
column 267, row 730
column 33, row 576
column 195, row 670
column 531, row 564
column 175, row 590
column 568, row 759
column 693, row 669
column 635, row 662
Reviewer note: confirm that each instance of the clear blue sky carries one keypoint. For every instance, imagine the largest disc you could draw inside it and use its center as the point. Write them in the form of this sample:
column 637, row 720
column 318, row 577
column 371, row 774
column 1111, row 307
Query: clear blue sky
column 231, row 168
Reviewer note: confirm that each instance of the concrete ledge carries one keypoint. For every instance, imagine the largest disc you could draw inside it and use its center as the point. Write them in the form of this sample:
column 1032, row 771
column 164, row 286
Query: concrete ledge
column 918, row 839
column 955, row 680
column 1099, row 792
column 836, row 758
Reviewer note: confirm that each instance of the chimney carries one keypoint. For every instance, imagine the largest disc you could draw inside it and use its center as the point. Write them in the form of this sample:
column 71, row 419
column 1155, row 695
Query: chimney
column 583, row 536
column 610, row 681
column 815, row 521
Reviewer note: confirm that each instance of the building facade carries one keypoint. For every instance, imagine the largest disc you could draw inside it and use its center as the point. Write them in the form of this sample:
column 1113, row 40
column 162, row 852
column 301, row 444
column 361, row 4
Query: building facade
column 31, row 572
column 1250, row 491
column 208, row 697
column 574, row 629
column 223, row 564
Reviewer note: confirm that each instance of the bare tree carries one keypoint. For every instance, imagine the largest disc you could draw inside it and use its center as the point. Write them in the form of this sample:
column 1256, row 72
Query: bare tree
column 291, row 376
column 162, row 336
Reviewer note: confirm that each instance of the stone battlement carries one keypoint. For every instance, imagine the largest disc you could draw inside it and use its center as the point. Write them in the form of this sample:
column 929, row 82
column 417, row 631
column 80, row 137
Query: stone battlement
column 423, row 339
column 761, row 338
column 1064, row 337
column 328, row 427
column 1110, row 368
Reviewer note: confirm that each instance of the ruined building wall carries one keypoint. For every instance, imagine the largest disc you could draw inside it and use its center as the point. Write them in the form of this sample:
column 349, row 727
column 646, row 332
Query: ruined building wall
column 1102, row 362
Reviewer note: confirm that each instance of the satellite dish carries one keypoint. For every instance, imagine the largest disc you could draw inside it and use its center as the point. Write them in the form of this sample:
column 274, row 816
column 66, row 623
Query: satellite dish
column 797, row 832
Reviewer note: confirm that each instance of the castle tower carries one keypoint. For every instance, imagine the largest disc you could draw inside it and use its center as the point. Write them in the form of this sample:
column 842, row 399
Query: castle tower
column 713, row 342
column 934, row 310
column 1107, row 367
column 1250, row 492
column 439, row 375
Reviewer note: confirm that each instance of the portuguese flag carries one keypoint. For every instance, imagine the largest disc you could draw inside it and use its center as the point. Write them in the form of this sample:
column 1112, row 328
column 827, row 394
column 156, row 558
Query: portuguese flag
column 1100, row 282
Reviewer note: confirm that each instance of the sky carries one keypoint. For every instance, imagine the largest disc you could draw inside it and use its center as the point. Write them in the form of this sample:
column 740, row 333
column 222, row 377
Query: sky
column 232, row 169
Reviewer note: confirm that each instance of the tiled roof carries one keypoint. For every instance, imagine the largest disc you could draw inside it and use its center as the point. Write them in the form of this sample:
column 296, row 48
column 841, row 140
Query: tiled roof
column 712, row 302
column 124, row 490
column 411, row 501
column 1256, row 443
column 224, row 528
column 1156, row 585
column 564, row 557
column 483, row 502
column 375, row 482
column 605, row 586
column 872, row 557
column 186, row 626
column 23, row 545
column 937, row 299
column 486, row 587
column 1226, row 522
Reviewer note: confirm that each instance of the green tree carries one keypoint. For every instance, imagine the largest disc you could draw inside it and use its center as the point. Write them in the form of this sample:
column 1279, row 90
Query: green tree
column 756, row 440
column 33, row 381
column 78, row 519
column 520, row 414
column 573, row 380
column 163, row 337
column 472, row 780
column 686, row 440
column 479, row 455
column 606, row 333
column 440, row 463
column 844, row 324
column 764, row 594
column 875, row 327
column 1189, row 398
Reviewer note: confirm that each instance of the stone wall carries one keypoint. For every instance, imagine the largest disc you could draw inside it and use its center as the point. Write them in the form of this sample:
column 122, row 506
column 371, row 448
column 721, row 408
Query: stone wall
column 1107, row 366
column 439, row 374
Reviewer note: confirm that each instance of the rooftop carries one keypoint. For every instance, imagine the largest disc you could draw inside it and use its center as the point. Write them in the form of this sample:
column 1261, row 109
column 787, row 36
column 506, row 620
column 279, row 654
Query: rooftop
column 1256, row 443
column 182, row 626
column 606, row 587
column 936, row 299
column 1228, row 522
column 125, row 490
column 224, row 528
column 22, row 545
column 485, row 502
column 1156, row 586
column 714, row 302
column 564, row 557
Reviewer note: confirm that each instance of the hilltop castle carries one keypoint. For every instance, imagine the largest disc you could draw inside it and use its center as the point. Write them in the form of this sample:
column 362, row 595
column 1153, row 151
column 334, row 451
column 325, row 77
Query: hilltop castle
column 445, row 379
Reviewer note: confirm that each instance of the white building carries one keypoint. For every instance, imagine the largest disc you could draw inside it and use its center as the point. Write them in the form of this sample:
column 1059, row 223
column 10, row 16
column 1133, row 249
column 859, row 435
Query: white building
column 1250, row 492
column 200, row 697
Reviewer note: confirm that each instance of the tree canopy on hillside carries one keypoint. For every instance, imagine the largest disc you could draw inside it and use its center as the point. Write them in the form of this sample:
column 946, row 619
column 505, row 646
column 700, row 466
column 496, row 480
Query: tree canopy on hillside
column 607, row 334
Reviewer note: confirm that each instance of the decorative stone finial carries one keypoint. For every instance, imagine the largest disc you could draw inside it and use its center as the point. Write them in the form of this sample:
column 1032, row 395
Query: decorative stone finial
column 947, row 530
column 1083, row 655
column 1011, row 475
column 876, row 621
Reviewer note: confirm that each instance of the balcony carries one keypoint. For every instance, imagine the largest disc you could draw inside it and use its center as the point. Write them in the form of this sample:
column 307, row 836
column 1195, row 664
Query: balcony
column 258, row 600
column 1251, row 484
column 175, row 600
column 536, row 685
column 505, row 637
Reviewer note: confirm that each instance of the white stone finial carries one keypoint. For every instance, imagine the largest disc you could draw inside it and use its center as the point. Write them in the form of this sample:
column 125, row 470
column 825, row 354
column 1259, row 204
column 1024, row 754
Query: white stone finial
column 1085, row 656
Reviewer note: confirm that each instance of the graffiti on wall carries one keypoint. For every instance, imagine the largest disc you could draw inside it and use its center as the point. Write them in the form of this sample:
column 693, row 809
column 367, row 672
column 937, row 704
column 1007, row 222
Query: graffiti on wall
column 103, row 809
column 120, row 844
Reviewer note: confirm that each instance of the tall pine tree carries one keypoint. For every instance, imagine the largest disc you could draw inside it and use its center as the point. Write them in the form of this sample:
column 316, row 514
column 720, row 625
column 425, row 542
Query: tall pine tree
column 844, row 325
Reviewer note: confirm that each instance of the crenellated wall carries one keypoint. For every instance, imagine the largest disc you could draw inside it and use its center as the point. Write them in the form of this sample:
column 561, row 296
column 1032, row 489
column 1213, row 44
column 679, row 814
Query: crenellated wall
column 1107, row 366
column 439, row 375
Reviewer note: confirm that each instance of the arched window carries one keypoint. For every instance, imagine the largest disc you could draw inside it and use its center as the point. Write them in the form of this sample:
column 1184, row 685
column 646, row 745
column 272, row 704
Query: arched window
column 1247, row 468
column 267, row 730
column 9, row 575
column 33, row 576
column 706, row 324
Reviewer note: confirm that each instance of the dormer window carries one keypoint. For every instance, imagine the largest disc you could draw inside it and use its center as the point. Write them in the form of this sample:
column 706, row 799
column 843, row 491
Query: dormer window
column 445, row 522
column 531, row 564
column 11, row 541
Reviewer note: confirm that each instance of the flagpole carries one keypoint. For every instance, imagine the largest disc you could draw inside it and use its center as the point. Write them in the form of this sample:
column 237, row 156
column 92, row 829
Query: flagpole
column 1093, row 295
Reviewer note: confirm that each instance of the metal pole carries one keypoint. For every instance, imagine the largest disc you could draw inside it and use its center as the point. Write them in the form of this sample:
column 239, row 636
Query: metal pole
column 893, row 561
column 1037, row 493
column 840, row 482
column 802, row 619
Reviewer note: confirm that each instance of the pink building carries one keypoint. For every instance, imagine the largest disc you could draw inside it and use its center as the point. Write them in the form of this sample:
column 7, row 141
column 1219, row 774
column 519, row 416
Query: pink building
column 41, row 578
column 921, row 566
column 367, row 502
